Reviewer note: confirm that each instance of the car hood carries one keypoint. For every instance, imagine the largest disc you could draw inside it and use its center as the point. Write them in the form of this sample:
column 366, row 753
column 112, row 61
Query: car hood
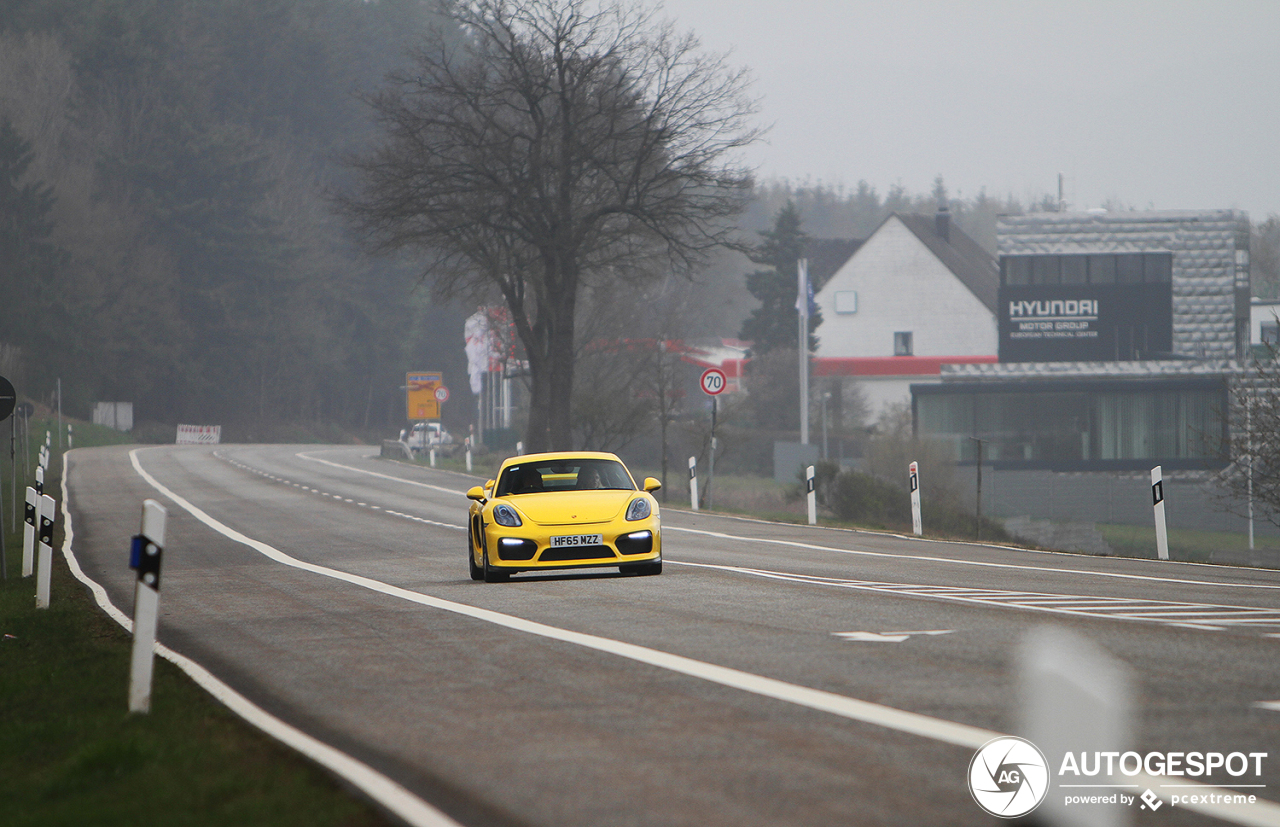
column 572, row 507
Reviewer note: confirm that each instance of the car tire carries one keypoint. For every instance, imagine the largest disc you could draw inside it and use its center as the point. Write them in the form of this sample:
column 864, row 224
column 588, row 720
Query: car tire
column 492, row 575
column 477, row 573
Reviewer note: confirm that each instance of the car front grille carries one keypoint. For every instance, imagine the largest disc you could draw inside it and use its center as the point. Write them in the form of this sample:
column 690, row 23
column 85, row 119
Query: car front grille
column 576, row 553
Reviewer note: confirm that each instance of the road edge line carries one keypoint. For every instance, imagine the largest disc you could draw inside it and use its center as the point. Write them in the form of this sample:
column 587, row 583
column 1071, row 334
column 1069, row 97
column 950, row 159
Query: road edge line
column 386, row 792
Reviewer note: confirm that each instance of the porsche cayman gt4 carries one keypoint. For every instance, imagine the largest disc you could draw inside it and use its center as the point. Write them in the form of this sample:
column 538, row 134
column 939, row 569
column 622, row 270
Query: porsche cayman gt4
column 560, row 511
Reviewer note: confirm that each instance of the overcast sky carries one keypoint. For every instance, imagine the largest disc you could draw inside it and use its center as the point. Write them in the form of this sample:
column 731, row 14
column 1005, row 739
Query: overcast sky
column 1168, row 105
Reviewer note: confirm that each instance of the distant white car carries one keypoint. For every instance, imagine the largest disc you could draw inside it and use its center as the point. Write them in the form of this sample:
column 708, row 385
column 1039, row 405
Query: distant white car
column 426, row 435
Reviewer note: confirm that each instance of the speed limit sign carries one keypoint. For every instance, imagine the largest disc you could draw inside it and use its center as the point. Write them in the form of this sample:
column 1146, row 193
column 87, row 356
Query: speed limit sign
column 712, row 381
column 442, row 394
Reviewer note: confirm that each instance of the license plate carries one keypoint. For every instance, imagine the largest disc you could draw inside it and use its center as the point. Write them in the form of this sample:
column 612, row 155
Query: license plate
column 577, row 540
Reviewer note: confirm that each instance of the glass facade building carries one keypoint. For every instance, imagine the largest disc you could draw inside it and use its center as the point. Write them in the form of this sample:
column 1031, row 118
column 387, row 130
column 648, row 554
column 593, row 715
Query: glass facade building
column 1079, row 424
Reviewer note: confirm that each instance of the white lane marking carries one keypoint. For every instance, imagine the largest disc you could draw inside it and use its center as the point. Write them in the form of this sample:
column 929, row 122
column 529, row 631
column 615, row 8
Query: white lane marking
column 888, row 637
column 261, row 473
column 1262, row 814
column 307, row 456
column 1274, row 706
column 911, row 722
column 374, row 784
column 958, row 562
column 1210, row 615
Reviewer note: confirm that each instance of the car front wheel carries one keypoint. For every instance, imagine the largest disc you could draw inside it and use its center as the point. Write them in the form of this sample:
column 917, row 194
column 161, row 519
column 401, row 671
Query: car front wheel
column 477, row 573
column 491, row 574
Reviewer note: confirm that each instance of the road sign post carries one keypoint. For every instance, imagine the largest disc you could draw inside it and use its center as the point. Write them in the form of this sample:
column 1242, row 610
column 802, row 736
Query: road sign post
column 1157, row 501
column 713, row 383
column 145, row 553
column 913, row 479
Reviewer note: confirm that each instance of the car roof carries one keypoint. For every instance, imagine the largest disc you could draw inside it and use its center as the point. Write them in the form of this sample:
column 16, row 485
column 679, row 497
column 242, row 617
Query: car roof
column 555, row 455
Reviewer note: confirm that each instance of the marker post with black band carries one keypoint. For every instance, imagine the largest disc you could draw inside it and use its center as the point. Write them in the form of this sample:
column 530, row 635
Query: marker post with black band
column 693, row 483
column 30, row 519
column 1157, row 500
column 913, row 483
column 44, row 560
column 812, row 495
column 145, row 553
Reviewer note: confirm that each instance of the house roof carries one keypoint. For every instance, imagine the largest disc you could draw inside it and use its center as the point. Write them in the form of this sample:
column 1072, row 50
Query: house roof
column 963, row 256
column 826, row 256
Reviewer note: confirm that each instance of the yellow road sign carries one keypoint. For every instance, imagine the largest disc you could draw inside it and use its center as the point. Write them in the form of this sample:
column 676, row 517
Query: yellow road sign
column 421, row 398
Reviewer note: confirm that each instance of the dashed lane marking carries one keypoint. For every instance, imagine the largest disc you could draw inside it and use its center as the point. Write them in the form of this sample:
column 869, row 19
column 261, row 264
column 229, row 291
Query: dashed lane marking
column 339, row 497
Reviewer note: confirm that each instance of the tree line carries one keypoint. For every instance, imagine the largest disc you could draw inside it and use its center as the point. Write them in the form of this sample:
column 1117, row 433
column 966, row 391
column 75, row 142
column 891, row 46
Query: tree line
column 165, row 170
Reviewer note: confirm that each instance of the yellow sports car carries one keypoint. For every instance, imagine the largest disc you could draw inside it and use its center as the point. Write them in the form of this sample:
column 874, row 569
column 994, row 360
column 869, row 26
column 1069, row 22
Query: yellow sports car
column 563, row 510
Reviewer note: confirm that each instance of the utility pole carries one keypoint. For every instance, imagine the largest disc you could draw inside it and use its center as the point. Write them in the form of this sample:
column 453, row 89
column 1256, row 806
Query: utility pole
column 977, row 513
column 802, row 306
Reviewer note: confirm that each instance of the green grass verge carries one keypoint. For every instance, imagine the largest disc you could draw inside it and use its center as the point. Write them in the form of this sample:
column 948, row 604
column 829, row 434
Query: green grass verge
column 1185, row 543
column 71, row 753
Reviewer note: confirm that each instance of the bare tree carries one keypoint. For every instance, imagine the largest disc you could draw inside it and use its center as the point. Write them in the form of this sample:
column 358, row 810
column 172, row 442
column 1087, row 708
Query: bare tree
column 1252, row 479
column 554, row 147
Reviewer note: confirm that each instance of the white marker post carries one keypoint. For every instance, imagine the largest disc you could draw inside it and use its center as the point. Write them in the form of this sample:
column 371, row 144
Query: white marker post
column 44, row 561
column 39, row 486
column 145, row 554
column 519, row 449
column 693, row 483
column 29, row 532
column 432, row 455
column 812, row 495
column 1157, row 500
column 913, row 478
column 468, row 454
column 70, row 436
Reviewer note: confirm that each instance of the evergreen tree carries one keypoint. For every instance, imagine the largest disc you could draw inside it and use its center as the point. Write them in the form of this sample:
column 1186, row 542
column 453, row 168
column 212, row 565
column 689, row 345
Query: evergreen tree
column 28, row 259
column 776, row 324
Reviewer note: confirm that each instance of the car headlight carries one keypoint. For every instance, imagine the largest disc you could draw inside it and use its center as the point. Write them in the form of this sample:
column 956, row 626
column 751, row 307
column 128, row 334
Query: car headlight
column 639, row 509
column 505, row 515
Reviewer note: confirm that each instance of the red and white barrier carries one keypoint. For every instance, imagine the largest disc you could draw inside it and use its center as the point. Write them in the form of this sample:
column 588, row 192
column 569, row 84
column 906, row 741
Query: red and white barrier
column 199, row 434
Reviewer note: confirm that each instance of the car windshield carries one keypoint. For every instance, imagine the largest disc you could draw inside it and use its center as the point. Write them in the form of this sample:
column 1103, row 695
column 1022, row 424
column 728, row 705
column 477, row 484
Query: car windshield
column 564, row 475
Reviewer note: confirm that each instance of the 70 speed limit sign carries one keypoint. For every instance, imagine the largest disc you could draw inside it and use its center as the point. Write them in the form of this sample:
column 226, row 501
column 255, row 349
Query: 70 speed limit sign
column 712, row 381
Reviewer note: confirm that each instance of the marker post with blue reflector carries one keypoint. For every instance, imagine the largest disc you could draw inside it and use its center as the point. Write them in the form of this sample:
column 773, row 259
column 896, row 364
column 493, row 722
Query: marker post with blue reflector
column 145, row 552
column 31, row 518
column 693, row 483
column 44, row 560
column 1157, row 500
column 812, row 495
column 913, row 480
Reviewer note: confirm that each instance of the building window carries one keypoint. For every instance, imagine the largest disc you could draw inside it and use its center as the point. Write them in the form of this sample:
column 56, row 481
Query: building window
column 1093, row 268
column 1016, row 269
column 846, row 301
column 902, row 343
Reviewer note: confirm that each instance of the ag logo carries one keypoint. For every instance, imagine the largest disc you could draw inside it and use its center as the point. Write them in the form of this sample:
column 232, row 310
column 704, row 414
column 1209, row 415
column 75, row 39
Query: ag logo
column 1008, row 777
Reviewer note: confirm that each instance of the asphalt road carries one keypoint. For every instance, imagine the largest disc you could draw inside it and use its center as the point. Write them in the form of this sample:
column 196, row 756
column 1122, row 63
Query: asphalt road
column 686, row 699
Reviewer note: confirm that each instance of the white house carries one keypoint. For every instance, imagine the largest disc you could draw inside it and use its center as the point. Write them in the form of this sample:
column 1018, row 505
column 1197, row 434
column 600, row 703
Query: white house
column 917, row 294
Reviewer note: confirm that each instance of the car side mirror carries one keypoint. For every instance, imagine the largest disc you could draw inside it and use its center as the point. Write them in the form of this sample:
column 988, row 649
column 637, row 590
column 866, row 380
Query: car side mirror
column 651, row 484
column 476, row 493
